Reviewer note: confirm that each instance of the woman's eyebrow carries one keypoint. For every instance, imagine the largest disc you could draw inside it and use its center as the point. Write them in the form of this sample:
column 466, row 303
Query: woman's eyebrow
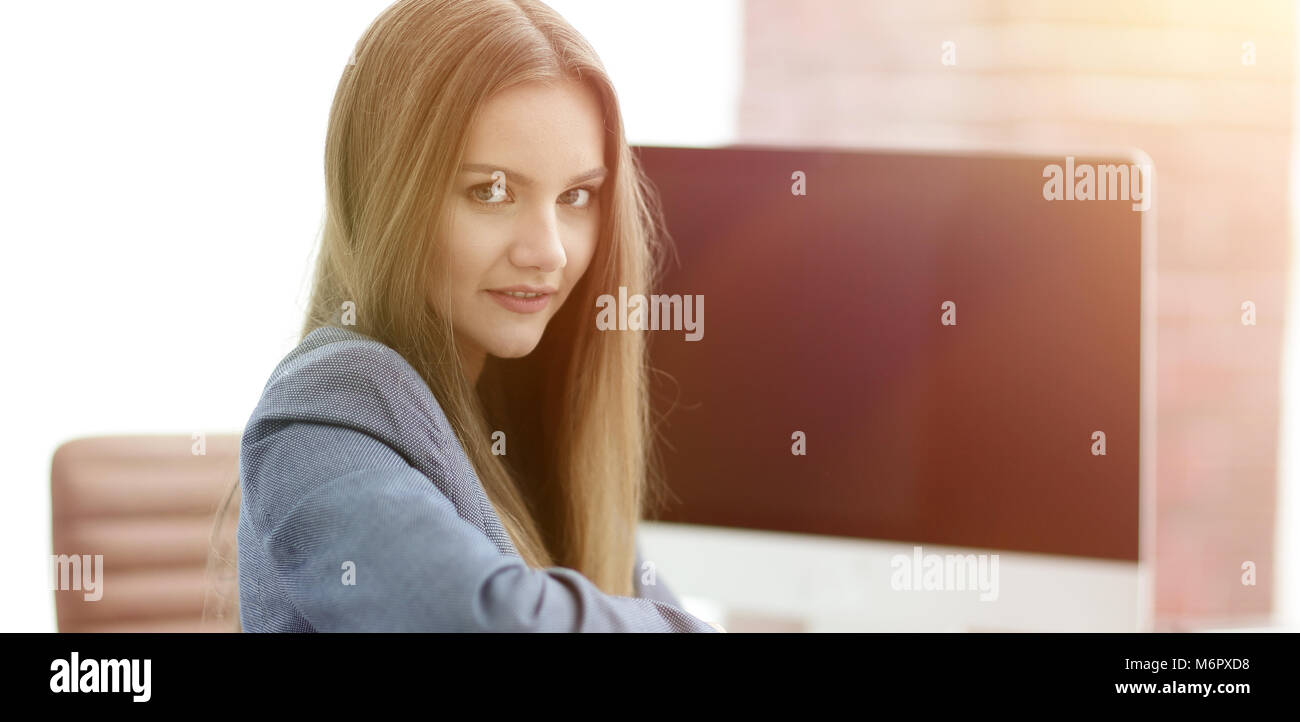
column 512, row 176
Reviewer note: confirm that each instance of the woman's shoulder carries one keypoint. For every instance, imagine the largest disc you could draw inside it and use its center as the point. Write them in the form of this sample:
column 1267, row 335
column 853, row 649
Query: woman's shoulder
column 334, row 352
column 339, row 376
column 341, row 404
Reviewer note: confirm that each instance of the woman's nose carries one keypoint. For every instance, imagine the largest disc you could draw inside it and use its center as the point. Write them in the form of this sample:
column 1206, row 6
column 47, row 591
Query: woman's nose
column 538, row 242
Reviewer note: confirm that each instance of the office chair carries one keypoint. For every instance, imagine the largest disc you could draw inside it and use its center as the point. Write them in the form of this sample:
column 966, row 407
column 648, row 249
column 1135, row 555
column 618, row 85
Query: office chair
column 145, row 506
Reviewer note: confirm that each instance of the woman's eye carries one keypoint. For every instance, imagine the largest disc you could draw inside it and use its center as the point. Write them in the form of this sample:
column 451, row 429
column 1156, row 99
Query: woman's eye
column 577, row 197
column 487, row 194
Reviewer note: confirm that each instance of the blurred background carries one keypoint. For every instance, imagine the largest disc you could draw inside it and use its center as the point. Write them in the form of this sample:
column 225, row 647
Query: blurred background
column 162, row 188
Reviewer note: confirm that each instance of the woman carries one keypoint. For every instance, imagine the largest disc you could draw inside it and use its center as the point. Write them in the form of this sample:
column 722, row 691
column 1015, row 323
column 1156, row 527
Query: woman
column 454, row 446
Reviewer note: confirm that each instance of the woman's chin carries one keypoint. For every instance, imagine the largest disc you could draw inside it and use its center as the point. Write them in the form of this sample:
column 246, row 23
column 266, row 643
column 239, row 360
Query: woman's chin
column 514, row 348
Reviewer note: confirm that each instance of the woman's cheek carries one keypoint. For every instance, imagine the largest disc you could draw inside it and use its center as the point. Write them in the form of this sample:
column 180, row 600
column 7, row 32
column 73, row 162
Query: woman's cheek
column 585, row 251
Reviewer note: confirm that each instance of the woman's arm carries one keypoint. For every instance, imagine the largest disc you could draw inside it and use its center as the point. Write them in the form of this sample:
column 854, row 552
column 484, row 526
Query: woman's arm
column 418, row 566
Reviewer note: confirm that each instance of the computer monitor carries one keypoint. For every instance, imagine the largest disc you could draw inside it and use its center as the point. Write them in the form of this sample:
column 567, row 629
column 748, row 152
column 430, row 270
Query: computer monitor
column 899, row 356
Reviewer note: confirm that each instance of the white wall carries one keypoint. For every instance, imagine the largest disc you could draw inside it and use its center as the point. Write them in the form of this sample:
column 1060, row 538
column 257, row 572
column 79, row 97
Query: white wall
column 161, row 194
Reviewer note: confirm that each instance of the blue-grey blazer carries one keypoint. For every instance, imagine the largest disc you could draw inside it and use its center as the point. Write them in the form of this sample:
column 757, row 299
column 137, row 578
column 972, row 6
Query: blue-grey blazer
column 361, row 512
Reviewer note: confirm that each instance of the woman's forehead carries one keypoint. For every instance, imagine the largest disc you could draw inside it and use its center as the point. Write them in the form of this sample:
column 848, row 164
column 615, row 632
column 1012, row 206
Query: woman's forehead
column 543, row 132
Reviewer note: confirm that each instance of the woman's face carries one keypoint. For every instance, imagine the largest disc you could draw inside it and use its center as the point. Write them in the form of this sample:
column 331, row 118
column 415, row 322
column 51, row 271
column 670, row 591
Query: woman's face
column 525, row 215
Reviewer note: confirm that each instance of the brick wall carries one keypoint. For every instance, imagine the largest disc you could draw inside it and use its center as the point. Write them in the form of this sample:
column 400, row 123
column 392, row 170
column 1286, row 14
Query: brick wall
column 1165, row 76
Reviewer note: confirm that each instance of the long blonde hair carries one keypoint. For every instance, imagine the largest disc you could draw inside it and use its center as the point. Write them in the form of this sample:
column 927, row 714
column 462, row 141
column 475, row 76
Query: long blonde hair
column 580, row 471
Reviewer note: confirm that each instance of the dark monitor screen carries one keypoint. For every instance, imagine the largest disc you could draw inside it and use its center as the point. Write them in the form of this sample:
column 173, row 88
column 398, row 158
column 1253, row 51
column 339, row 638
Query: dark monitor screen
column 824, row 314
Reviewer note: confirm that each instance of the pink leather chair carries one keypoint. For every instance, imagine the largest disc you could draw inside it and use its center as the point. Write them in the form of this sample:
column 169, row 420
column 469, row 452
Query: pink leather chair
column 147, row 504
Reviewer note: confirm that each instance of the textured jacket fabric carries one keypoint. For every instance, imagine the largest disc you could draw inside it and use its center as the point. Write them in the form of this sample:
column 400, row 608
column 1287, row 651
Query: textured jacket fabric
column 361, row 512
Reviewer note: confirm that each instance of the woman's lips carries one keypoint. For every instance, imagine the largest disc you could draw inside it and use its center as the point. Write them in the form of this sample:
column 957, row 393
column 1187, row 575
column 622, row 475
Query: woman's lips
column 521, row 305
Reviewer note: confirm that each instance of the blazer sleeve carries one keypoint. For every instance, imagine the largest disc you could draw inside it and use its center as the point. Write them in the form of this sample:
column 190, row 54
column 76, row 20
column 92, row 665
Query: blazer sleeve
column 373, row 545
